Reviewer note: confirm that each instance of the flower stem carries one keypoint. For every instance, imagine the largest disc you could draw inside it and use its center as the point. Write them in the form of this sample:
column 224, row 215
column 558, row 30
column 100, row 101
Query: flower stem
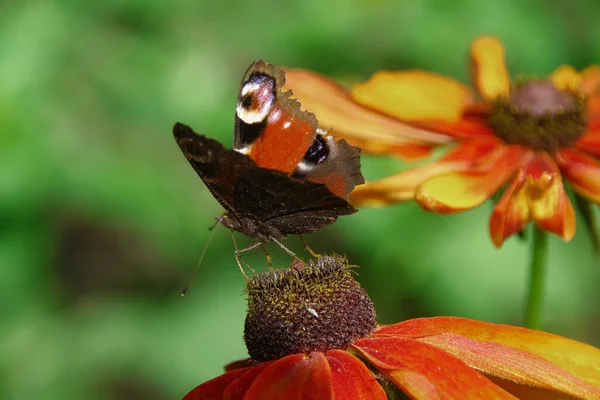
column 537, row 278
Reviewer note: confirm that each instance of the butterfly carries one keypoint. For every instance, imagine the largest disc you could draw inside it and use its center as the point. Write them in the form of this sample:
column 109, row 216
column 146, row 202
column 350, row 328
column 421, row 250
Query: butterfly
column 284, row 175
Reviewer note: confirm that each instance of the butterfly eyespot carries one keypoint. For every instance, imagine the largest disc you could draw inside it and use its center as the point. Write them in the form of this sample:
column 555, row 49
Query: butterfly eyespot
column 256, row 99
column 246, row 102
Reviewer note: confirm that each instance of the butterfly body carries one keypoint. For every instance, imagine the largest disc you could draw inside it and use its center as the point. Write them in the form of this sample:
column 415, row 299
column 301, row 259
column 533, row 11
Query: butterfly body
column 284, row 175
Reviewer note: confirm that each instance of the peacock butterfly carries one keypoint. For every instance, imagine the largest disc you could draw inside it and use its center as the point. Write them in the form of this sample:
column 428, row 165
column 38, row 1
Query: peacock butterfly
column 284, row 175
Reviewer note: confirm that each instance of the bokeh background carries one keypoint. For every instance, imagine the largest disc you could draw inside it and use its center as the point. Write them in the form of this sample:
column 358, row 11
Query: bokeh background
column 102, row 220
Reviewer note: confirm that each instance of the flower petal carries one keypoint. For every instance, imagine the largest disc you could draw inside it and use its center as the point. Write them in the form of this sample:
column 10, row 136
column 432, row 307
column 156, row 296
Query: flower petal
column 296, row 376
column 469, row 127
column 463, row 190
column 582, row 171
column 213, row 389
column 590, row 84
column 489, row 69
column 425, row 372
column 402, row 186
column 238, row 388
column 374, row 132
column 590, row 142
column 593, row 108
column 352, row 379
column 566, row 77
column 414, row 95
column 577, row 358
column 536, row 194
column 525, row 374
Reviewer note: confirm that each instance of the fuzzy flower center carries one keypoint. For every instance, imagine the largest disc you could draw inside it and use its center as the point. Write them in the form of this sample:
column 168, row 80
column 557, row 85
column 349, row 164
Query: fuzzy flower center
column 537, row 114
column 314, row 306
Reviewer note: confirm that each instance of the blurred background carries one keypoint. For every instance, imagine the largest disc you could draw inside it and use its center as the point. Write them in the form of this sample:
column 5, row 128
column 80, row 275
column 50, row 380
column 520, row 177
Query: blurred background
column 102, row 219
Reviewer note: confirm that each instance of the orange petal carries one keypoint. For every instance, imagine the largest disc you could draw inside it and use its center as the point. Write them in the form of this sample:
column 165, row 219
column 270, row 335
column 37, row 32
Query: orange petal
column 525, row 375
column 537, row 194
column 489, row 69
column 463, row 190
column 593, row 107
column 414, row 95
column 352, row 379
column 577, row 358
column 582, row 171
column 566, row 77
column 294, row 377
column 374, row 132
column 469, row 127
column 213, row 389
column 590, row 84
column 402, row 186
column 590, row 142
column 424, row 372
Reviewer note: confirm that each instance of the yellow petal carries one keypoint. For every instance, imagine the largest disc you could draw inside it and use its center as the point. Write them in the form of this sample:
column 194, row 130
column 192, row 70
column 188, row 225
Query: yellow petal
column 463, row 190
column 359, row 125
column 489, row 69
column 413, row 95
column 566, row 78
column 401, row 187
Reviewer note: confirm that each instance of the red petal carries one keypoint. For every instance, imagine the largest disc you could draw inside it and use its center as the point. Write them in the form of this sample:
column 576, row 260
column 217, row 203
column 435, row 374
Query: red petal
column 534, row 376
column 537, row 194
column 239, row 364
column 583, row 171
column 469, row 127
column 402, row 186
column 590, row 142
column 577, row 358
column 425, row 372
column 463, row 190
column 238, row 388
column 214, row 389
column 593, row 107
column 352, row 379
column 296, row 376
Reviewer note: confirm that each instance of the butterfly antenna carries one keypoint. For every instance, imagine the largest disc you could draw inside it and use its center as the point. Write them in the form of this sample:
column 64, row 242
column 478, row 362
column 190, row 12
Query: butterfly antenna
column 195, row 271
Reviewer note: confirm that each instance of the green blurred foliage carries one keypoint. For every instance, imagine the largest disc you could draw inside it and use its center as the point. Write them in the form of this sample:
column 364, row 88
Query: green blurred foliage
column 102, row 219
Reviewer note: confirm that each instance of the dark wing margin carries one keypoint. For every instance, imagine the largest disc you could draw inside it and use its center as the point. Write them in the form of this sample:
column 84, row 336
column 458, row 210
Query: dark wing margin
column 291, row 206
column 218, row 167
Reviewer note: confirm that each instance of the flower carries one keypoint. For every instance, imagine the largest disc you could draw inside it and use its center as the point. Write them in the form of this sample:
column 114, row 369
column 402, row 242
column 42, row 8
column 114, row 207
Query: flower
column 310, row 334
column 524, row 136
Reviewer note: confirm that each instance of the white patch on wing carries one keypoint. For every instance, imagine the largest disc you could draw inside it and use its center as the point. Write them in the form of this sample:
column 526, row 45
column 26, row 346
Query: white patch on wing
column 244, row 150
column 265, row 102
column 321, row 132
column 304, row 167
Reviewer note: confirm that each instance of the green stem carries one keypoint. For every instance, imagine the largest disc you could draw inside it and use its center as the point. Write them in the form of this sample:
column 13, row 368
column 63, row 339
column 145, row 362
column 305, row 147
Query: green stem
column 537, row 279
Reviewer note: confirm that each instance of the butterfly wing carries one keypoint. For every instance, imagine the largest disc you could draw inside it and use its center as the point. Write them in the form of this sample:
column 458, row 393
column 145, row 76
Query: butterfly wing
column 289, row 205
column 218, row 167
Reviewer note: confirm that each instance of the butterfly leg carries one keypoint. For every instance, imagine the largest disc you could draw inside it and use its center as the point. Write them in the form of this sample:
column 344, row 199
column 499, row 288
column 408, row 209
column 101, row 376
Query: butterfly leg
column 291, row 253
column 268, row 256
column 312, row 253
column 239, row 259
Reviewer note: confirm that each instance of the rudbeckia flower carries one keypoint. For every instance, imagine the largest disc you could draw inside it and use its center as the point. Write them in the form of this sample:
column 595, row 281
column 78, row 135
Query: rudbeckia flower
column 311, row 334
column 525, row 136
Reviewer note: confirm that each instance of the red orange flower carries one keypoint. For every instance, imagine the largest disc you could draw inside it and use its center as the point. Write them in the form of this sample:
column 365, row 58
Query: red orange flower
column 525, row 136
column 429, row 358
column 310, row 332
